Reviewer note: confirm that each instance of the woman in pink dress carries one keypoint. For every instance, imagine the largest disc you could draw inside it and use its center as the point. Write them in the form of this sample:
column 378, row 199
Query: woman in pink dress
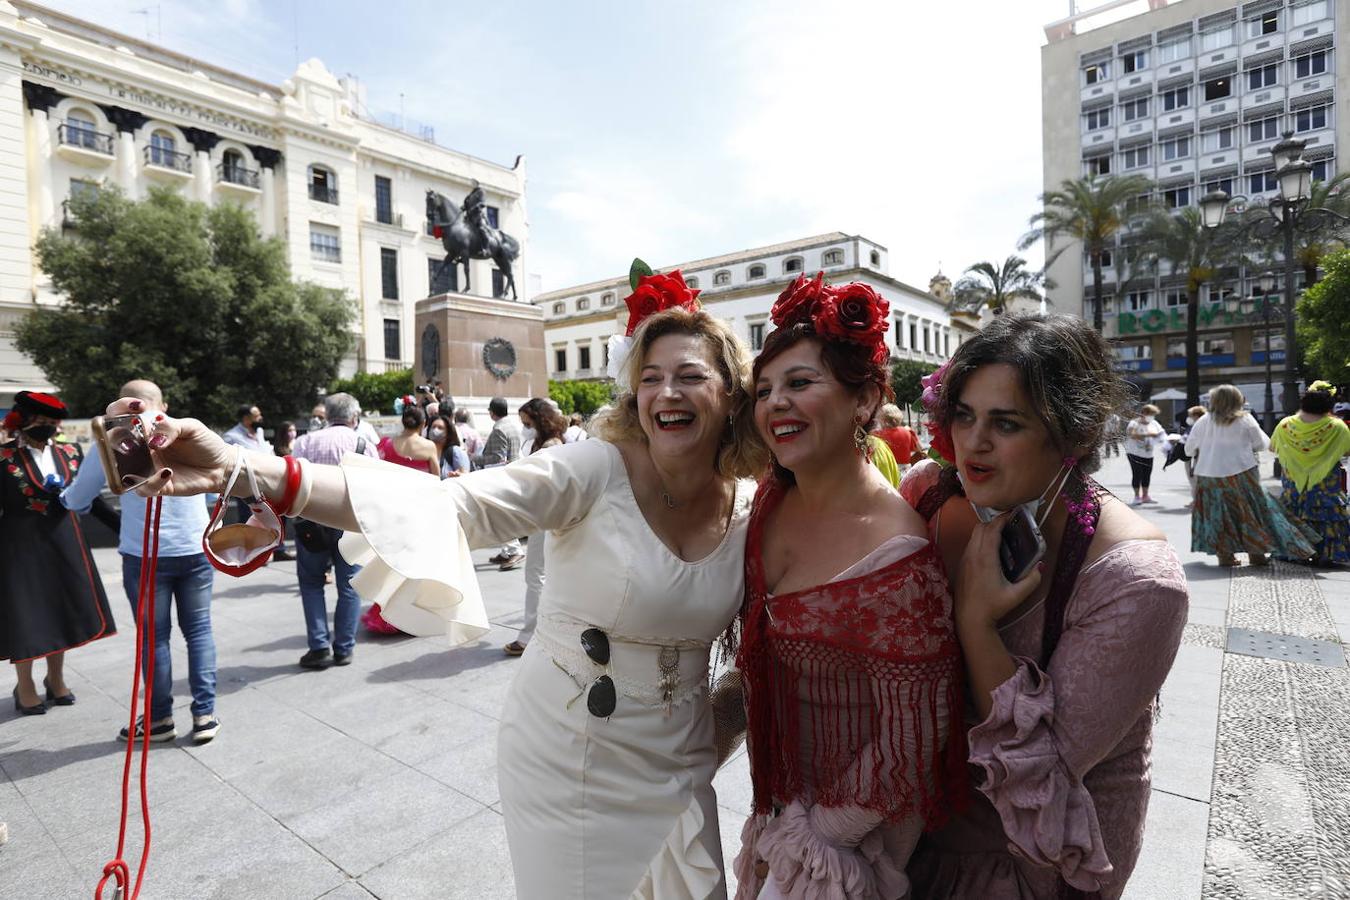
column 1065, row 665
column 847, row 652
column 410, row 448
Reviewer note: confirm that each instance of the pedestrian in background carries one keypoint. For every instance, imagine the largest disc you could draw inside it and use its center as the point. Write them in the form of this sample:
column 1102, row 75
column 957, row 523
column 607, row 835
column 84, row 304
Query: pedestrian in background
column 1232, row 511
column 501, row 447
column 576, row 429
column 184, row 581
column 904, row 443
column 317, row 545
column 1142, row 436
column 317, row 418
column 549, row 427
column 247, row 433
column 1310, row 445
column 442, row 433
column 410, row 448
column 469, row 438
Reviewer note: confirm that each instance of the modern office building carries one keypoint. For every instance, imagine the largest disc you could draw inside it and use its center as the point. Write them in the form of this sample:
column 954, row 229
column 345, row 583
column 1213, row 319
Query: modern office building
column 1192, row 94
column 741, row 288
column 83, row 108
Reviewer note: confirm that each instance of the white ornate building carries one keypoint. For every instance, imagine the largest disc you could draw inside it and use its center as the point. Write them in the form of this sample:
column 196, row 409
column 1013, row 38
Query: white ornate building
column 83, row 108
column 741, row 288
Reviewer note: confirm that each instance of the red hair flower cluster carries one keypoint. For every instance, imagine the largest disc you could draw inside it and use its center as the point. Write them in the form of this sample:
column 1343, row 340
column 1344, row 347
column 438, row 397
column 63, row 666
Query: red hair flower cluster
column 852, row 312
column 658, row 292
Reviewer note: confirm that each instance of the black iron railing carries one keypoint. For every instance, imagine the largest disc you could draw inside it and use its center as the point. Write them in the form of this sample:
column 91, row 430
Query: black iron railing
column 167, row 159
column 84, row 138
column 237, row 174
column 323, row 193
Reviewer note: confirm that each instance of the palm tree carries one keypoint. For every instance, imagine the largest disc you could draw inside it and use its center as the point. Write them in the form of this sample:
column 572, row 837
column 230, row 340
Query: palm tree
column 996, row 285
column 1181, row 239
column 1089, row 211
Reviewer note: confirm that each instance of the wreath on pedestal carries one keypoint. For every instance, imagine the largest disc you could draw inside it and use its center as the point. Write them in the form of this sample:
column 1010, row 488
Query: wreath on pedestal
column 499, row 358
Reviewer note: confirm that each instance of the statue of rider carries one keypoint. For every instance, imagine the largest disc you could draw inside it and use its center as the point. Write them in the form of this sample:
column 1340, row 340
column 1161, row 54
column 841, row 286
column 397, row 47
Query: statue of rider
column 475, row 212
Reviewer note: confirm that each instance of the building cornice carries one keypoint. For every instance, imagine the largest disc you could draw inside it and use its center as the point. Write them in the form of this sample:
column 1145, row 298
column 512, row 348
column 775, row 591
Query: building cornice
column 510, row 309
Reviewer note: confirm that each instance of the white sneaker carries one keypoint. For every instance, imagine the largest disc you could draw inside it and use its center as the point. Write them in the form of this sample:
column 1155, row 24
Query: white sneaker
column 204, row 728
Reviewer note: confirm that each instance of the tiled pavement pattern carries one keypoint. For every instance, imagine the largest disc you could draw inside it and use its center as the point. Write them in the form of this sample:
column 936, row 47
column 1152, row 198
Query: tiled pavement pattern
column 379, row 779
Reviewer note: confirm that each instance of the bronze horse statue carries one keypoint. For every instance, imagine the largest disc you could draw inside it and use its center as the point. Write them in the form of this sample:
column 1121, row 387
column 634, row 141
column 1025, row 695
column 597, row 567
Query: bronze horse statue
column 464, row 240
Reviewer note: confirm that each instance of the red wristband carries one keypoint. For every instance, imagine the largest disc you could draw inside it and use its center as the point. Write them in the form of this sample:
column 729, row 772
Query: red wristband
column 292, row 486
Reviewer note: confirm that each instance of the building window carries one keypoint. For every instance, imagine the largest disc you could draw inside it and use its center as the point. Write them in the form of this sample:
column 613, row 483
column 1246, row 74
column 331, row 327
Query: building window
column 1174, row 50
column 1321, row 170
column 391, row 342
column 493, row 216
column 913, row 336
column 1310, row 118
column 608, row 299
column 384, row 200
column 1098, row 165
column 1135, row 157
column 1263, row 341
column 1266, row 23
column 756, row 336
column 1137, row 300
column 1218, row 139
column 876, row 258
column 1311, row 64
column 927, row 340
column 1216, row 38
column 1096, row 73
column 163, row 149
column 721, row 278
column 583, row 303
column 1173, row 297
column 1177, row 148
column 832, row 258
column 1218, row 88
column 1132, row 352
column 81, row 188
column 1176, row 98
column 583, row 357
column 1309, row 12
column 1263, row 77
column 325, row 244
column 1134, row 109
column 946, row 343
column 1105, row 258
column 1097, row 118
column 389, row 275
column 1133, row 62
column 604, row 353
column 81, row 131
column 322, row 185
column 442, row 277
column 560, row 359
column 1223, row 184
column 498, row 284
column 232, row 167
column 756, row 271
column 691, row 281
column 1175, row 198
column 793, row 264
column 1261, row 182
column 559, row 308
column 1263, row 130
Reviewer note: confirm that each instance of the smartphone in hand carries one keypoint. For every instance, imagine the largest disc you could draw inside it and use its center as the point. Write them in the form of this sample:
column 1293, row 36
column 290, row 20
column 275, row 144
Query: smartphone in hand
column 1021, row 546
column 124, row 445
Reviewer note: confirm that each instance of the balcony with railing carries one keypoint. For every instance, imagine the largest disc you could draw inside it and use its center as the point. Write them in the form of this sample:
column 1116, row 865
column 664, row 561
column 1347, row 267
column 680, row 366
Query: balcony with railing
column 84, row 145
column 167, row 163
column 322, row 193
column 233, row 176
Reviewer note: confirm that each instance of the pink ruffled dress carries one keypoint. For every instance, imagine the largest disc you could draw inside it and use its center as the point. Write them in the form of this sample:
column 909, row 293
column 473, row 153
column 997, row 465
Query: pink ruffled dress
column 1060, row 767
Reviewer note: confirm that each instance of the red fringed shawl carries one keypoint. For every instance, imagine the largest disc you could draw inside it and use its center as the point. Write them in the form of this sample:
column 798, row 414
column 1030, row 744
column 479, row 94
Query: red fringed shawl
column 844, row 683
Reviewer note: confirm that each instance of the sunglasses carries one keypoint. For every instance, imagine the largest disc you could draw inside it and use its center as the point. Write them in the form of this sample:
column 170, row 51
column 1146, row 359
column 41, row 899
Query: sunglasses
column 602, row 697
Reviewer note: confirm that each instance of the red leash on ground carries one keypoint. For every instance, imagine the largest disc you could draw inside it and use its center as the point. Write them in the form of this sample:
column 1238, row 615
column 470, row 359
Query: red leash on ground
column 117, row 869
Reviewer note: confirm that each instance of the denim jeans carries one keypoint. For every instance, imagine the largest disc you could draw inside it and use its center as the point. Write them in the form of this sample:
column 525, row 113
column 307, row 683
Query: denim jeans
column 309, row 569
column 185, row 582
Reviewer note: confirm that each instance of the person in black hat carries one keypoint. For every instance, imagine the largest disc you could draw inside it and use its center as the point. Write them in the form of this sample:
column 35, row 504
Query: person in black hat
column 51, row 596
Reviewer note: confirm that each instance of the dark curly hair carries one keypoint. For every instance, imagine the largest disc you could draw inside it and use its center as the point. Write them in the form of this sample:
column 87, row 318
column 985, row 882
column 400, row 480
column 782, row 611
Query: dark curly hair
column 852, row 365
column 1067, row 371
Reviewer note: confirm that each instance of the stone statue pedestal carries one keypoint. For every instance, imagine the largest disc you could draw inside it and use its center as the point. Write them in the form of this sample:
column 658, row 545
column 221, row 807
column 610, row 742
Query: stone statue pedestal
column 480, row 348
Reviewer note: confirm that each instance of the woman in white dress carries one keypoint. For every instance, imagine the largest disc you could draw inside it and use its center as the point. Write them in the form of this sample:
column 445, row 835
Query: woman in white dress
column 606, row 750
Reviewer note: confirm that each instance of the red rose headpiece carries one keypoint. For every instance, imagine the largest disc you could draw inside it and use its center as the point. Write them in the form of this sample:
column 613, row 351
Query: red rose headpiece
column 852, row 312
column 654, row 292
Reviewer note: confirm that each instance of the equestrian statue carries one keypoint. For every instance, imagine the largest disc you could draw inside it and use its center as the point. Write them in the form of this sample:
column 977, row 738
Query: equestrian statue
column 465, row 233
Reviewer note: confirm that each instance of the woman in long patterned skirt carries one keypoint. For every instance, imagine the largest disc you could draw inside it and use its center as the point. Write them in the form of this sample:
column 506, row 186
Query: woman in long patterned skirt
column 1310, row 445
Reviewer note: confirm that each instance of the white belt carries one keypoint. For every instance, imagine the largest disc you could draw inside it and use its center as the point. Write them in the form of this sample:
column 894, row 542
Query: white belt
column 653, row 671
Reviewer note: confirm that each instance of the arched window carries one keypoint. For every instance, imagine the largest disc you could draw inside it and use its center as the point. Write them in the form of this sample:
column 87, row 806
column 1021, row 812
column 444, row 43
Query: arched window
column 163, row 150
column 559, row 308
column 722, row 277
column 322, row 184
column 583, row 303
column 81, row 130
column 792, row 264
column 876, row 258
column 692, row 281
column 232, row 165
column 756, row 271
column 606, row 299
column 832, row 258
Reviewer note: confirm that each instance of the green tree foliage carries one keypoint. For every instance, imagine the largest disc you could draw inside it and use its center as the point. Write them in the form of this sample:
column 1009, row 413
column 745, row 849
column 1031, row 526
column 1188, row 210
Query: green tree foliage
column 584, row 397
column 189, row 296
column 1323, row 311
column 905, row 375
column 376, row 391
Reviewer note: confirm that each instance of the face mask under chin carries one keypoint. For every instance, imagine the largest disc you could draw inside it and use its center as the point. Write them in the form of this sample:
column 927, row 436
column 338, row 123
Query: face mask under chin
column 1033, row 506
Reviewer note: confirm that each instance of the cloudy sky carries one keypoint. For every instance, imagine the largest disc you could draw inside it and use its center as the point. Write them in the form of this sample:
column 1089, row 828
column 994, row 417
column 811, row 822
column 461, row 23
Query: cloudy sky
column 680, row 130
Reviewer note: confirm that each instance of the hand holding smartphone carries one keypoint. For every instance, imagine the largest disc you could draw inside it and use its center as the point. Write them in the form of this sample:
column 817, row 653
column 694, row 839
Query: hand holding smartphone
column 124, row 445
column 1021, row 545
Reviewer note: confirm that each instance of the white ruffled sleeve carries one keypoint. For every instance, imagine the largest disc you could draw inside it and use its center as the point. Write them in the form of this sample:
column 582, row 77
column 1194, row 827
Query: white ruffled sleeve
column 415, row 533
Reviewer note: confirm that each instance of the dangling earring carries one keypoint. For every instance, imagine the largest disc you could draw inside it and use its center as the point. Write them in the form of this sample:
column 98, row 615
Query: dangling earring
column 859, row 435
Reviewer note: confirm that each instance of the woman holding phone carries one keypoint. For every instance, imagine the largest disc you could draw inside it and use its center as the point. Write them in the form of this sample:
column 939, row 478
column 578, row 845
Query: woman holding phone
column 1063, row 666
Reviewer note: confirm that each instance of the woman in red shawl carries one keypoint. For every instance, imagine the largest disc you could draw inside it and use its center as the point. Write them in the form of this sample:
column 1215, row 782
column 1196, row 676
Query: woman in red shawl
column 848, row 652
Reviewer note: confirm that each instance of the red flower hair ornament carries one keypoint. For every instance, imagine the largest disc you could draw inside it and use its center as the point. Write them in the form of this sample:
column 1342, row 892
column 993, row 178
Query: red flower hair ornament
column 653, row 292
column 852, row 312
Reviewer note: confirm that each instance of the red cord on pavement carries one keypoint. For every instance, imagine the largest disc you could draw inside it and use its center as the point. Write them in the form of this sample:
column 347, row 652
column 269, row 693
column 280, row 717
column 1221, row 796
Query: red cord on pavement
column 117, row 869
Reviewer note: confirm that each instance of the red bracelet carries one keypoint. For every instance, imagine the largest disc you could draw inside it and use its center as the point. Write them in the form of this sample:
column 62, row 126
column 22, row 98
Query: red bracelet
column 292, row 486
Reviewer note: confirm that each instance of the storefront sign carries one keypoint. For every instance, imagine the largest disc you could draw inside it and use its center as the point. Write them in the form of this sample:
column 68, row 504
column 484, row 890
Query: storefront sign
column 1174, row 319
column 1216, row 359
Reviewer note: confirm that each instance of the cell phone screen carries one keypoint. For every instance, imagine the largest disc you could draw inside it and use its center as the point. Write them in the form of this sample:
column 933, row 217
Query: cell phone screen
column 1021, row 546
column 130, row 449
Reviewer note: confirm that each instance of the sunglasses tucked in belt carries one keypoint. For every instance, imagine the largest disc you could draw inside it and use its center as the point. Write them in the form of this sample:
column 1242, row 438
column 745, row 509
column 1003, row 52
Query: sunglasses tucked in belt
column 602, row 696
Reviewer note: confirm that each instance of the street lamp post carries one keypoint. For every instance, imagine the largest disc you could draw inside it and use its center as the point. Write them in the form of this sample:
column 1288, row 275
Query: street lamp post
column 1286, row 214
column 1267, row 284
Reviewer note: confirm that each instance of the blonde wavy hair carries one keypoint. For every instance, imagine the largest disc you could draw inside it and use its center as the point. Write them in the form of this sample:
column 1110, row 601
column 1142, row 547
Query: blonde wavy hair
column 1225, row 404
column 741, row 453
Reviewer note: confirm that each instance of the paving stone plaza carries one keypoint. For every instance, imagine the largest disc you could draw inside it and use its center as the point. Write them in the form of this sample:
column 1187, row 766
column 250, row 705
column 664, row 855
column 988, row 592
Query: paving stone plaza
column 379, row 779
